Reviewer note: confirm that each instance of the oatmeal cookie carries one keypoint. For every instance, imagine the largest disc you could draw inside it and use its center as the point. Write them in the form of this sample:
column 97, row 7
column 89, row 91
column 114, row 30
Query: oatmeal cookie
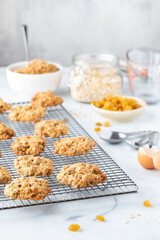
column 28, row 188
column 27, row 113
column 81, row 175
column 4, row 106
column 51, row 128
column 6, row 132
column 28, row 145
column 33, row 166
column 74, row 146
column 5, row 177
column 46, row 99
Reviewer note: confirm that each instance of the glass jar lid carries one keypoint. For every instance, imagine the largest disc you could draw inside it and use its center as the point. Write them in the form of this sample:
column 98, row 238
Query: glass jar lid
column 92, row 60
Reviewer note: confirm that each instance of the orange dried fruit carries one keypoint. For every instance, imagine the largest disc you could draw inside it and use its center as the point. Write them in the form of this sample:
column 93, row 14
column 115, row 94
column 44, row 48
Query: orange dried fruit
column 147, row 203
column 98, row 124
column 100, row 218
column 117, row 103
column 97, row 129
column 74, row 227
column 106, row 124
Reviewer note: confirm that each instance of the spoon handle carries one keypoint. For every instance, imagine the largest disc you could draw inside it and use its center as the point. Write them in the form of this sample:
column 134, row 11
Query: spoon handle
column 143, row 141
column 137, row 133
column 153, row 139
column 25, row 39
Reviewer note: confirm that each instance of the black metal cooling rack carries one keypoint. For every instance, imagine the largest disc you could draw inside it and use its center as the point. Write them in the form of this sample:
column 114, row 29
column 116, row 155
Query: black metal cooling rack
column 117, row 180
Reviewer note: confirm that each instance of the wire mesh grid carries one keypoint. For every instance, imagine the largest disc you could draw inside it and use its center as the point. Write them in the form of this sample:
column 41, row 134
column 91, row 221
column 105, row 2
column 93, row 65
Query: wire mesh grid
column 117, row 180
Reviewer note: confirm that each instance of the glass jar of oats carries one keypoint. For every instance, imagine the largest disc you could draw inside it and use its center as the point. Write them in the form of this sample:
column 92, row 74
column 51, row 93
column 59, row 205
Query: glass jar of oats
column 94, row 76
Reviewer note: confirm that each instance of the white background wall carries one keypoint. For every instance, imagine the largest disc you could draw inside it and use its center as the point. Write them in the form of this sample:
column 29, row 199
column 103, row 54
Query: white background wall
column 60, row 28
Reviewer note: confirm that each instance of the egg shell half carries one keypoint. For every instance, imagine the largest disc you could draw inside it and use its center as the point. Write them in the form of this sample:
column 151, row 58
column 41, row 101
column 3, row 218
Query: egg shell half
column 145, row 157
column 156, row 160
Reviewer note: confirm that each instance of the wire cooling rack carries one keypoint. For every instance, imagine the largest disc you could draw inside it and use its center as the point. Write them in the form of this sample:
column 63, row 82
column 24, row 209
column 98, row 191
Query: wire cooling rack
column 117, row 181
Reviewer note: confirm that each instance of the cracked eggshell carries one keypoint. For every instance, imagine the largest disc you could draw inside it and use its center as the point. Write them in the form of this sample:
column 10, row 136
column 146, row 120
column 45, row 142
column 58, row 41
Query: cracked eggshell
column 145, row 157
column 156, row 160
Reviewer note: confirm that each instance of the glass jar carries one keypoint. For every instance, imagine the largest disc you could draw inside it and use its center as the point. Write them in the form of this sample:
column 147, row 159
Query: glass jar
column 94, row 76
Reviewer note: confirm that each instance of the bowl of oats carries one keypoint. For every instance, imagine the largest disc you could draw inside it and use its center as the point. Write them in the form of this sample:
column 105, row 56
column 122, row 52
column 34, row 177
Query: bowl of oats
column 31, row 77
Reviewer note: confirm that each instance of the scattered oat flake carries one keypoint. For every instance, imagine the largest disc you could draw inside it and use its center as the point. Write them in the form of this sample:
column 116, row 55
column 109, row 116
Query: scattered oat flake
column 138, row 214
column 132, row 216
column 100, row 218
column 147, row 203
column 74, row 227
column 65, row 120
column 75, row 114
column 126, row 221
column 98, row 124
column 97, row 129
column 106, row 124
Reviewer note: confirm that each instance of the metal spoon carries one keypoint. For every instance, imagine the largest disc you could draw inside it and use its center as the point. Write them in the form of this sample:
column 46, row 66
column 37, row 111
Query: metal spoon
column 150, row 139
column 117, row 137
column 139, row 143
column 153, row 139
column 25, row 39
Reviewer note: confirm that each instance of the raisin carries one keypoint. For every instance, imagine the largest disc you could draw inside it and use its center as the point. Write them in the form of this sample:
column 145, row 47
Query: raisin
column 100, row 218
column 74, row 227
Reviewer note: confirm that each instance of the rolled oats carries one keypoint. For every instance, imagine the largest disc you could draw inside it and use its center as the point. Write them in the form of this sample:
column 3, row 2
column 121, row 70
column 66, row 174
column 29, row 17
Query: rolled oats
column 89, row 84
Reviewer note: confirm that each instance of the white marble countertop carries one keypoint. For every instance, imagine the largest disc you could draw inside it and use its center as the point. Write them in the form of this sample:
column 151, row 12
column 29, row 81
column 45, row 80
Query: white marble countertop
column 52, row 221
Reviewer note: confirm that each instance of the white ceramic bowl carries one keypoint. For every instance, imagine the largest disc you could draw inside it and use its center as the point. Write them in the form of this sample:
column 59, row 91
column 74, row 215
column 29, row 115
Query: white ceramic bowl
column 122, row 116
column 32, row 83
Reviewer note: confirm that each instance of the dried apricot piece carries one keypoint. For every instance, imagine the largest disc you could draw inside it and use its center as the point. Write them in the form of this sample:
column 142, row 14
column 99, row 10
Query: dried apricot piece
column 98, row 124
column 106, row 124
column 100, row 218
column 117, row 103
column 74, row 227
column 147, row 203
column 97, row 129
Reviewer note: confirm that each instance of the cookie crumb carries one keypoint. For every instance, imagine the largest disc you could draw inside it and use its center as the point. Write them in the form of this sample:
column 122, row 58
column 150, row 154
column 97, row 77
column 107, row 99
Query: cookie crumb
column 65, row 120
column 126, row 221
column 138, row 214
column 132, row 216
